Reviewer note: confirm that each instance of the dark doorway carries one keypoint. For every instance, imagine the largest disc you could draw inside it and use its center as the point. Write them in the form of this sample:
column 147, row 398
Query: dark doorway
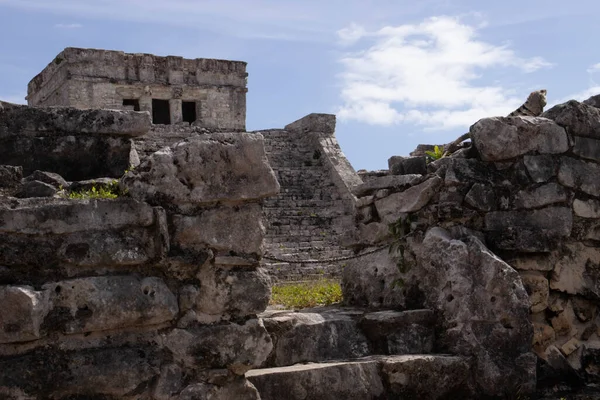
column 131, row 104
column 188, row 111
column 160, row 112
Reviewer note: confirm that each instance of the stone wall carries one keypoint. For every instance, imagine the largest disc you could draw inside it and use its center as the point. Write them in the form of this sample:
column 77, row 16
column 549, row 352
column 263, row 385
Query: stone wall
column 315, row 206
column 153, row 295
column 90, row 78
column 503, row 243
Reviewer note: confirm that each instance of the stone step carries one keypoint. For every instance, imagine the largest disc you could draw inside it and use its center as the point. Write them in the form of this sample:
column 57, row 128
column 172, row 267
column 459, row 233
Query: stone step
column 423, row 377
column 330, row 333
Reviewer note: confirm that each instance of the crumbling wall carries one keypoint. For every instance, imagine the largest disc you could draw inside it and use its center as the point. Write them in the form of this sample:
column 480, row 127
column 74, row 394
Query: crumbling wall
column 315, row 206
column 527, row 189
column 153, row 295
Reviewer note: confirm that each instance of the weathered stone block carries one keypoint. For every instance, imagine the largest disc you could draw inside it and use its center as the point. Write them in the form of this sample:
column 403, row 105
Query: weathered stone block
column 386, row 182
column 10, row 176
column 104, row 303
column 578, row 271
column 577, row 118
column 399, row 165
column 528, row 231
column 36, row 189
column 540, row 168
column 503, row 138
column 540, row 196
column 240, row 389
column 239, row 229
column 587, row 208
column 586, row 148
column 232, row 346
column 411, row 200
column 481, row 197
column 324, row 123
column 23, row 311
column 203, row 170
column 537, row 288
column 461, row 171
column 580, row 175
column 48, row 177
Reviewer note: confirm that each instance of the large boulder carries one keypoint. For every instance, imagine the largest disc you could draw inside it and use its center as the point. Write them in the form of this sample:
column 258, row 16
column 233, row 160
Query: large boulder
column 484, row 309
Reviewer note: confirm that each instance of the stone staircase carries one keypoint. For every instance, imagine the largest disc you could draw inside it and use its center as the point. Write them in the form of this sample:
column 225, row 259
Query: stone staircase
column 350, row 353
column 308, row 216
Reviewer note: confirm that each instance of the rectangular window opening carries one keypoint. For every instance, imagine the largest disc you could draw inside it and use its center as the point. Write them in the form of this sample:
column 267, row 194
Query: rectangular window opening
column 131, row 104
column 161, row 113
column 188, row 111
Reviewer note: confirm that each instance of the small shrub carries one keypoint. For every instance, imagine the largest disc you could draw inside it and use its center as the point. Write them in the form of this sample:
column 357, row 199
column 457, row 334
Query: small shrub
column 112, row 191
column 436, row 154
column 307, row 294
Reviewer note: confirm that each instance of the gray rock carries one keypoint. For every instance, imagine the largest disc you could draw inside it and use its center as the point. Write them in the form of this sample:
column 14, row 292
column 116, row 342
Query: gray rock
column 23, row 311
column 460, row 171
column 577, row 118
column 427, row 377
column 104, row 183
column 540, row 168
column 169, row 382
column 59, row 121
column 593, row 101
column 400, row 332
column 203, row 170
column 577, row 272
column 586, row 208
column 528, row 231
column 481, row 197
column 36, row 189
column 239, row 389
column 313, row 337
column 10, row 176
column 399, row 165
column 579, row 175
column 48, row 177
column 227, row 345
column 232, row 292
column 386, row 182
column 411, row 200
column 314, row 122
column 484, row 307
column 503, row 138
column 536, row 285
column 351, row 380
column 587, row 148
column 103, row 303
column 540, row 196
column 239, row 229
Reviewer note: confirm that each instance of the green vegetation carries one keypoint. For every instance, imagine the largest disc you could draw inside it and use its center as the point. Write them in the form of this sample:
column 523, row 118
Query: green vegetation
column 399, row 230
column 112, row 191
column 436, row 154
column 307, row 294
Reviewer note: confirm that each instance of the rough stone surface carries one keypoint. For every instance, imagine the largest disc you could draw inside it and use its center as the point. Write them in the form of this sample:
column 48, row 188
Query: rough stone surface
column 48, row 177
column 577, row 118
column 204, row 170
column 586, row 208
column 36, row 189
column 540, row 196
column 540, row 168
column 10, row 176
column 579, row 175
column 239, row 389
column 578, row 271
column 386, row 182
column 411, row 200
column 407, row 165
column 537, row 288
column 104, row 303
column 503, row 138
column 484, row 306
column 23, row 311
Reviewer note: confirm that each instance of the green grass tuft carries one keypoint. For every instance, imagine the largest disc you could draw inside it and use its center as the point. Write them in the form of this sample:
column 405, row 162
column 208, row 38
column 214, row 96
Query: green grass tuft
column 110, row 192
column 307, row 294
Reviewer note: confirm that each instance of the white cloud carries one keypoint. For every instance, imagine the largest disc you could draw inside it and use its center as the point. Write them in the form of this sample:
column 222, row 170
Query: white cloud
column 594, row 68
column 69, row 26
column 428, row 74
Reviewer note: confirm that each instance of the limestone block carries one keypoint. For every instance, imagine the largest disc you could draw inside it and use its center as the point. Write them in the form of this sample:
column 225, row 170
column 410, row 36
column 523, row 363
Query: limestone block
column 205, row 169
column 577, row 118
column 36, row 189
column 386, row 182
column 10, row 176
column 577, row 271
column 540, row 168
column 533, row 262
column 529, row 231
column 579, row 175
column 411, row 200
column 587, row 208
column 587, row 148
column 540, row 196
column 48, row 177
column 227, row 345
column 104, row 303
column 481, row 197
column 537, row 288
column 238, row 229
column 23, row 311
column 232, row 292
column 461, row 171
column 60, row 216
column 503, row 138
column 585, row 310
column 324, row 123
column 169, row 382
column 239, row 389
column 593, row 101
column 571, row 346
column 543, row 336
column 399, row 165
column 93, row 373
column 484, row 304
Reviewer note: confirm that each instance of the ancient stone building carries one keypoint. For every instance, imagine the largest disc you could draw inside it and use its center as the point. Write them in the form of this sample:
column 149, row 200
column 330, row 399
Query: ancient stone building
column 206, row 92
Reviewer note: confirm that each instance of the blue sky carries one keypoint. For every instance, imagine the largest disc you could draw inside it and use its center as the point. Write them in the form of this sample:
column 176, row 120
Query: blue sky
column 396, row 73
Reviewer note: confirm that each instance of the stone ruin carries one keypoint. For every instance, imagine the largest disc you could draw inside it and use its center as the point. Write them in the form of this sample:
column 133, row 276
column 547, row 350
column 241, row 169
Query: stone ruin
column 487, row 287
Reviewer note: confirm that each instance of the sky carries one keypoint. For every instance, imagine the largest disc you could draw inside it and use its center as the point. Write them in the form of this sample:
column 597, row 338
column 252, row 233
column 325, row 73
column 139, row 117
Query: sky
column 396, row 73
